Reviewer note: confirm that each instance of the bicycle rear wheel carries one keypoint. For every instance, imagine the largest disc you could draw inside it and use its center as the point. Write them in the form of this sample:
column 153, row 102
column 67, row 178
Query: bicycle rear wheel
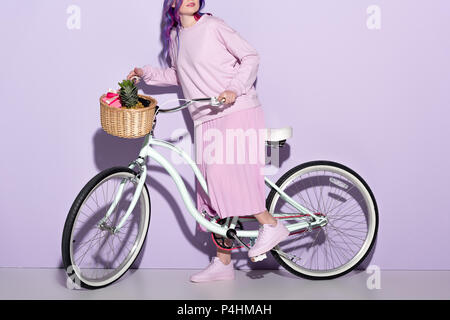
column 334, row 190
column 93, row 255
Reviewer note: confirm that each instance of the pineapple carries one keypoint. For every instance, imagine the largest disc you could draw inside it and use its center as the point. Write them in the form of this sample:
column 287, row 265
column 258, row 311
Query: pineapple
column 128, row 94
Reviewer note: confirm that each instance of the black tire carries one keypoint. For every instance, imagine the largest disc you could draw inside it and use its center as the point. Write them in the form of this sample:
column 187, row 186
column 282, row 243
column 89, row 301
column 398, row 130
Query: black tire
column 291, row 172
column 68, row 226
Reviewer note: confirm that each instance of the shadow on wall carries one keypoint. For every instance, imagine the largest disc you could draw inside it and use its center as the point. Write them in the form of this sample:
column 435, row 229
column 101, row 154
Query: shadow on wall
column 112, row 151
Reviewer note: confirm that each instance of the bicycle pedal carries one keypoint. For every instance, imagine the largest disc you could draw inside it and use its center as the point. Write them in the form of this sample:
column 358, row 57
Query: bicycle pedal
column 259, row 258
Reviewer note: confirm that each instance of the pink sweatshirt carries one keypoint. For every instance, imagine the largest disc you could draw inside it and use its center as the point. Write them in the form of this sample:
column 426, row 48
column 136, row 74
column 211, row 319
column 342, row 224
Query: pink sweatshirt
column 213, row 58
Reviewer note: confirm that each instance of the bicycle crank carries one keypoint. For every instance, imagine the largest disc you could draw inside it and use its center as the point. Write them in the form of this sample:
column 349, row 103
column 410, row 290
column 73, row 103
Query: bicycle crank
column 231, row 233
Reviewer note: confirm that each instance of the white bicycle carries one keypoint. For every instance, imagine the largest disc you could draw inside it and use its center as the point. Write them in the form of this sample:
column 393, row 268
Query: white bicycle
column 328, row 208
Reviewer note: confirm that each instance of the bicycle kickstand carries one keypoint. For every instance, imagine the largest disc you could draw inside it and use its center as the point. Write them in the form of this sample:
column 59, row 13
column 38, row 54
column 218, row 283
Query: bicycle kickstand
column 231, row 234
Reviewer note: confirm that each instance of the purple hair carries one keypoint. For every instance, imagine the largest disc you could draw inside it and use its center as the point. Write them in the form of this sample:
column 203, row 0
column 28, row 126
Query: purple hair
column 171, row 19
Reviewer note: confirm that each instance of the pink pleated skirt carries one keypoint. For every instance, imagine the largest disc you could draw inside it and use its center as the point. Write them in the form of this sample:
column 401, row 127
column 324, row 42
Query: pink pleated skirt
column 230, row 153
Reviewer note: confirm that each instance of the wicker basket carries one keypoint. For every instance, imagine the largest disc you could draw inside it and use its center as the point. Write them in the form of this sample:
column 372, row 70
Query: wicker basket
column 128, row 123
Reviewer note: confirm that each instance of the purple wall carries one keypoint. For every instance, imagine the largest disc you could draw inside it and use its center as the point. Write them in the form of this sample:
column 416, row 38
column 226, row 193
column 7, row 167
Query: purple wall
column 374, row 99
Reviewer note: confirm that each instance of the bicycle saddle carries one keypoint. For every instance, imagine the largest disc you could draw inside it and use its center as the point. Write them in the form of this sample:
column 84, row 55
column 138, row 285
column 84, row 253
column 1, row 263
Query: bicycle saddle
column 278, row 136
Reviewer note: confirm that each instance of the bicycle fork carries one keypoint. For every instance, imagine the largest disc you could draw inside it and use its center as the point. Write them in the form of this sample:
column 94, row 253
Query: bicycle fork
column 140, row 177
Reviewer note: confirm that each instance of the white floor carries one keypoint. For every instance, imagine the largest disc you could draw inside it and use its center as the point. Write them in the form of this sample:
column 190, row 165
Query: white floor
column 173, row 284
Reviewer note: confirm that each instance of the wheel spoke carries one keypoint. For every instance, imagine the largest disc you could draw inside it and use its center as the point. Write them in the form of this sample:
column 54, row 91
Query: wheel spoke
column 339, row 245
column 102, row 257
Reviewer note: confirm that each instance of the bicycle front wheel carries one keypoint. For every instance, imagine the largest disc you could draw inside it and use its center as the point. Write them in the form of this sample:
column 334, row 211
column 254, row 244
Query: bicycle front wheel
column 333, row 190
column 94, row 256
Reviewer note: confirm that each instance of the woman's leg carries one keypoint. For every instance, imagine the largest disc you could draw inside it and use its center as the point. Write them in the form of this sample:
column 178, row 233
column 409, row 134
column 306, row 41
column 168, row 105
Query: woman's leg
column 224, row 255
column 265, row 218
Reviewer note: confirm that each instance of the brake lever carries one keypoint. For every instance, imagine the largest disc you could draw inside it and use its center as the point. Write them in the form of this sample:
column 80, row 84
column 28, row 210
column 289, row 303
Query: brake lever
column 215, row 102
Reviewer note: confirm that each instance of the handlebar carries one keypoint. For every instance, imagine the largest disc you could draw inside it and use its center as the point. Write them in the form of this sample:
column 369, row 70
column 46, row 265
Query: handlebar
column 213, row 101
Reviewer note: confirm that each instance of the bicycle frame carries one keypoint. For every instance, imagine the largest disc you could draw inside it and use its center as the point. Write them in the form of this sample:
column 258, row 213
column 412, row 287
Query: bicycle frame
column 211, row 225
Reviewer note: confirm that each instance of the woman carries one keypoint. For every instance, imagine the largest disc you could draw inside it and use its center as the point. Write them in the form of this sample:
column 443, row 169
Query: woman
column 208, row 58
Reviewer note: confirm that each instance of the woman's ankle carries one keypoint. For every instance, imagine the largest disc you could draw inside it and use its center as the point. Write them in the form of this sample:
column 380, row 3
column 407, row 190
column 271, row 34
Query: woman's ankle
column 266, row 218
column 224, row 257
column 226, row 261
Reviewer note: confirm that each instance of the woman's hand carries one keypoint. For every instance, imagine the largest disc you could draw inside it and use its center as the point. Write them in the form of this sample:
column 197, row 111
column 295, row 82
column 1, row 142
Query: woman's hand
column 136, row 72
column 230, row 96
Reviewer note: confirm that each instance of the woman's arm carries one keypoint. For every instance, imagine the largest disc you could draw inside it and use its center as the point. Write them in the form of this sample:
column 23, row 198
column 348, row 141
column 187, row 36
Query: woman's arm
column 160, row 76
column 245, row 53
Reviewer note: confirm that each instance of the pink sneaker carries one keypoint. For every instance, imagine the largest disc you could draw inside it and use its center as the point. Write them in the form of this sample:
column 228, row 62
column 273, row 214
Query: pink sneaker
column 269, row 236
column 215, row 271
